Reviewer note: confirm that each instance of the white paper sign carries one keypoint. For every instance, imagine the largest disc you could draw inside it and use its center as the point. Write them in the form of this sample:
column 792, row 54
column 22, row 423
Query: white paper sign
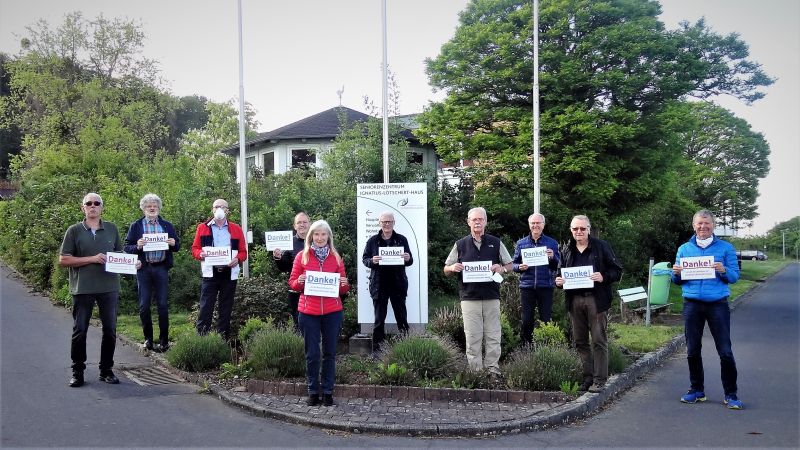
column 323, row 284
column 477, row 272
column 281, row 240
column 208, row 270
column 155, row 241
column 536, row 256
column 577, row 277
column 697, row 268
column 121, row 263
column 217, row 256
column 391, row 256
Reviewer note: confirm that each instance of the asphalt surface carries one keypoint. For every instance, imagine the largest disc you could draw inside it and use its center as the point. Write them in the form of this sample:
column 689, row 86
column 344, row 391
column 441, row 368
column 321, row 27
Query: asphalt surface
column 38, row 409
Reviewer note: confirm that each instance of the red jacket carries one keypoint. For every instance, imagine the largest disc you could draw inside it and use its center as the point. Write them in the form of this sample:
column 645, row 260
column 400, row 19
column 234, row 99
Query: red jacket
column 312, row 304
column 204, row 238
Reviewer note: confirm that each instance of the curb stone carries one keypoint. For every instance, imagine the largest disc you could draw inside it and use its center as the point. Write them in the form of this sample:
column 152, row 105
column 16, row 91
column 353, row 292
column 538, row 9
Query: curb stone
column 585, row 405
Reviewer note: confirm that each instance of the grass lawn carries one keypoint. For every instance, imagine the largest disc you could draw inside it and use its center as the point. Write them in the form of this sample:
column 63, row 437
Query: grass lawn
column 131, row 326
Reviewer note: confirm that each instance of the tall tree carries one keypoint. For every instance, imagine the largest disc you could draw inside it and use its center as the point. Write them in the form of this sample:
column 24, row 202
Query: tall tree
column 725, row 159
column 607, row 69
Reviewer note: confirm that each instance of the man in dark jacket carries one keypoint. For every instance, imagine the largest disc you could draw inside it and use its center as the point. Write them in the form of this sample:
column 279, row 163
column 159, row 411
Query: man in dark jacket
column 535, row 282
column 588, row 306
column 285, row 259
column 387, row 282
column 152, row 279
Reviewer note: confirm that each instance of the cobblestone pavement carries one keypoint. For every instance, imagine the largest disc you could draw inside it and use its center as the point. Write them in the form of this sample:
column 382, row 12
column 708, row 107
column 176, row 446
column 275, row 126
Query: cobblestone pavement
column 437, row 418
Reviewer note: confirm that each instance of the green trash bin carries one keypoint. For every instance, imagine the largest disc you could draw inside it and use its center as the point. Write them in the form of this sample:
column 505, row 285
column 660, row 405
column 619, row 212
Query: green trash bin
column 661, row 277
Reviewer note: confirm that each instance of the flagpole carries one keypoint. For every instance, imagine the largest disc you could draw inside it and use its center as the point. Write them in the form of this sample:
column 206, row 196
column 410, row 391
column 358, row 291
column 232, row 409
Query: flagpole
column 385, row 98
column 536, row 169
column 242, row 148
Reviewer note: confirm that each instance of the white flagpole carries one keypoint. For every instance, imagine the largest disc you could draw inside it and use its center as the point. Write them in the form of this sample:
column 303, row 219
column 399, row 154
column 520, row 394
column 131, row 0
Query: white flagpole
column 242, row 148
column 536, row 106
column 385, row 99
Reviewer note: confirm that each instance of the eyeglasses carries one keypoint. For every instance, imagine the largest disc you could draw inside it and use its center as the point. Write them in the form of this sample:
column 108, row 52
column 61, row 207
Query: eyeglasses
column 385, row 222
column 219, row 206
column 579, row 228
column 94, row 203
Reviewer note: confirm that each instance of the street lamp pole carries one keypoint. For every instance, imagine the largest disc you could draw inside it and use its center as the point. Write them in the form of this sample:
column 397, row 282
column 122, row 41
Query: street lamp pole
column 783, row 236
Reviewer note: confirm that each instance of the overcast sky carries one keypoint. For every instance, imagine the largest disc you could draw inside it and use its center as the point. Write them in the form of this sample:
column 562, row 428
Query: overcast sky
column 299, row 53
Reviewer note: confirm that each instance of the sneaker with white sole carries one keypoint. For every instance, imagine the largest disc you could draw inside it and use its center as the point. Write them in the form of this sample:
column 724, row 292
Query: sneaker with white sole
column 693, row 396
column 733, row 402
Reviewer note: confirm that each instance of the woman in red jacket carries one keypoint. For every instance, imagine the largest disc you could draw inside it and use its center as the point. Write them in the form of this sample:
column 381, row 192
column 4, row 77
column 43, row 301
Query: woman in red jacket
column 319, row 309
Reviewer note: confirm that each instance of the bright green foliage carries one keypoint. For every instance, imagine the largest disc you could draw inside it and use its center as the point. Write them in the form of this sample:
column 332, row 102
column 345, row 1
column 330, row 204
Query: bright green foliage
column 391, row 374
column 277, row 353
column 607, row 70
column 195, row 353
column 549, row 333
column 569, row 388
column 542, row 368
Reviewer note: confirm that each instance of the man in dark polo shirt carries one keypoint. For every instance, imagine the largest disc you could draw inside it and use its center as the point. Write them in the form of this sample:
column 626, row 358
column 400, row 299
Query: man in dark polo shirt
column 84, row 251
column 477, row 257
column 588, row 306
column 153, row 279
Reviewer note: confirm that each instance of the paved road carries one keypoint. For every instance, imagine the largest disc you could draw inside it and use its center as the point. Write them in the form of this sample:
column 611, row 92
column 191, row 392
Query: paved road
column 38, row 409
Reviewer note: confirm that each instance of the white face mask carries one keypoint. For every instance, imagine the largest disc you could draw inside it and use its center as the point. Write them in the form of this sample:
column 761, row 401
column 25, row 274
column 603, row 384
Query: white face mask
column 219, row 213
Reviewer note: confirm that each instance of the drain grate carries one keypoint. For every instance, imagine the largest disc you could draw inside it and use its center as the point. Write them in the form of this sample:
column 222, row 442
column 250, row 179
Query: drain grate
column 151, row 376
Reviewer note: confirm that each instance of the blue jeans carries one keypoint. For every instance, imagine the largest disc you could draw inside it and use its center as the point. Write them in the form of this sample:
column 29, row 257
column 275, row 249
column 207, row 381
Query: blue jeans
column 152, row 281
column 328, row 327
column 533, row 299
column 82, row 305
column 718, row 315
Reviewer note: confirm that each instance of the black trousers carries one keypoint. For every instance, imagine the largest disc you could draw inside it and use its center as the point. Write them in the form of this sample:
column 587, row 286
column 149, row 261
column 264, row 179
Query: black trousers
column 217, row 289
column 381, row 304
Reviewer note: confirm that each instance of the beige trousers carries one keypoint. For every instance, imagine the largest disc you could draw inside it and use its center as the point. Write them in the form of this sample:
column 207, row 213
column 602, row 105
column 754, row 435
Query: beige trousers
column 482, row 322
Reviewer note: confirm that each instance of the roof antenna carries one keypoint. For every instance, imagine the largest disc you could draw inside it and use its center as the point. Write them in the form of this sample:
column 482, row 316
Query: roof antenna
column 339, row 93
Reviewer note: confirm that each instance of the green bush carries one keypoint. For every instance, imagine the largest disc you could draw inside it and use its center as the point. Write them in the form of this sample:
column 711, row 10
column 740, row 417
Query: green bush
column 510, row 304
column 472, row 379
column 195, row 353
column 448, row 323
column 427, row 357
column 260, row 297
column 252, row 326
column 549, row 333
column 354, row 369
column 542, row 368
column 391, row 374
column 617, row 361
column 509, row 339
column 277, row 353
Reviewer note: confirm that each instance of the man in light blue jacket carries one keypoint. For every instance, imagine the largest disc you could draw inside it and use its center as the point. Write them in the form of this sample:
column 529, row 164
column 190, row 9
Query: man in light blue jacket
column 706, row 300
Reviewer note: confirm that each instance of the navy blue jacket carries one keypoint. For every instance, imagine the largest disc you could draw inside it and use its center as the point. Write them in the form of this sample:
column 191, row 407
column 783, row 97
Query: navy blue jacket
column 539, row 276
column 135, row 233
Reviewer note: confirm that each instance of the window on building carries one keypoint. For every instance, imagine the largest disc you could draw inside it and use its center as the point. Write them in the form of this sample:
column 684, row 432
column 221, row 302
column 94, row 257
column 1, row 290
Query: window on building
column 250, row 164
column 269, row 163
column 303, row 158
column 414, row 158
